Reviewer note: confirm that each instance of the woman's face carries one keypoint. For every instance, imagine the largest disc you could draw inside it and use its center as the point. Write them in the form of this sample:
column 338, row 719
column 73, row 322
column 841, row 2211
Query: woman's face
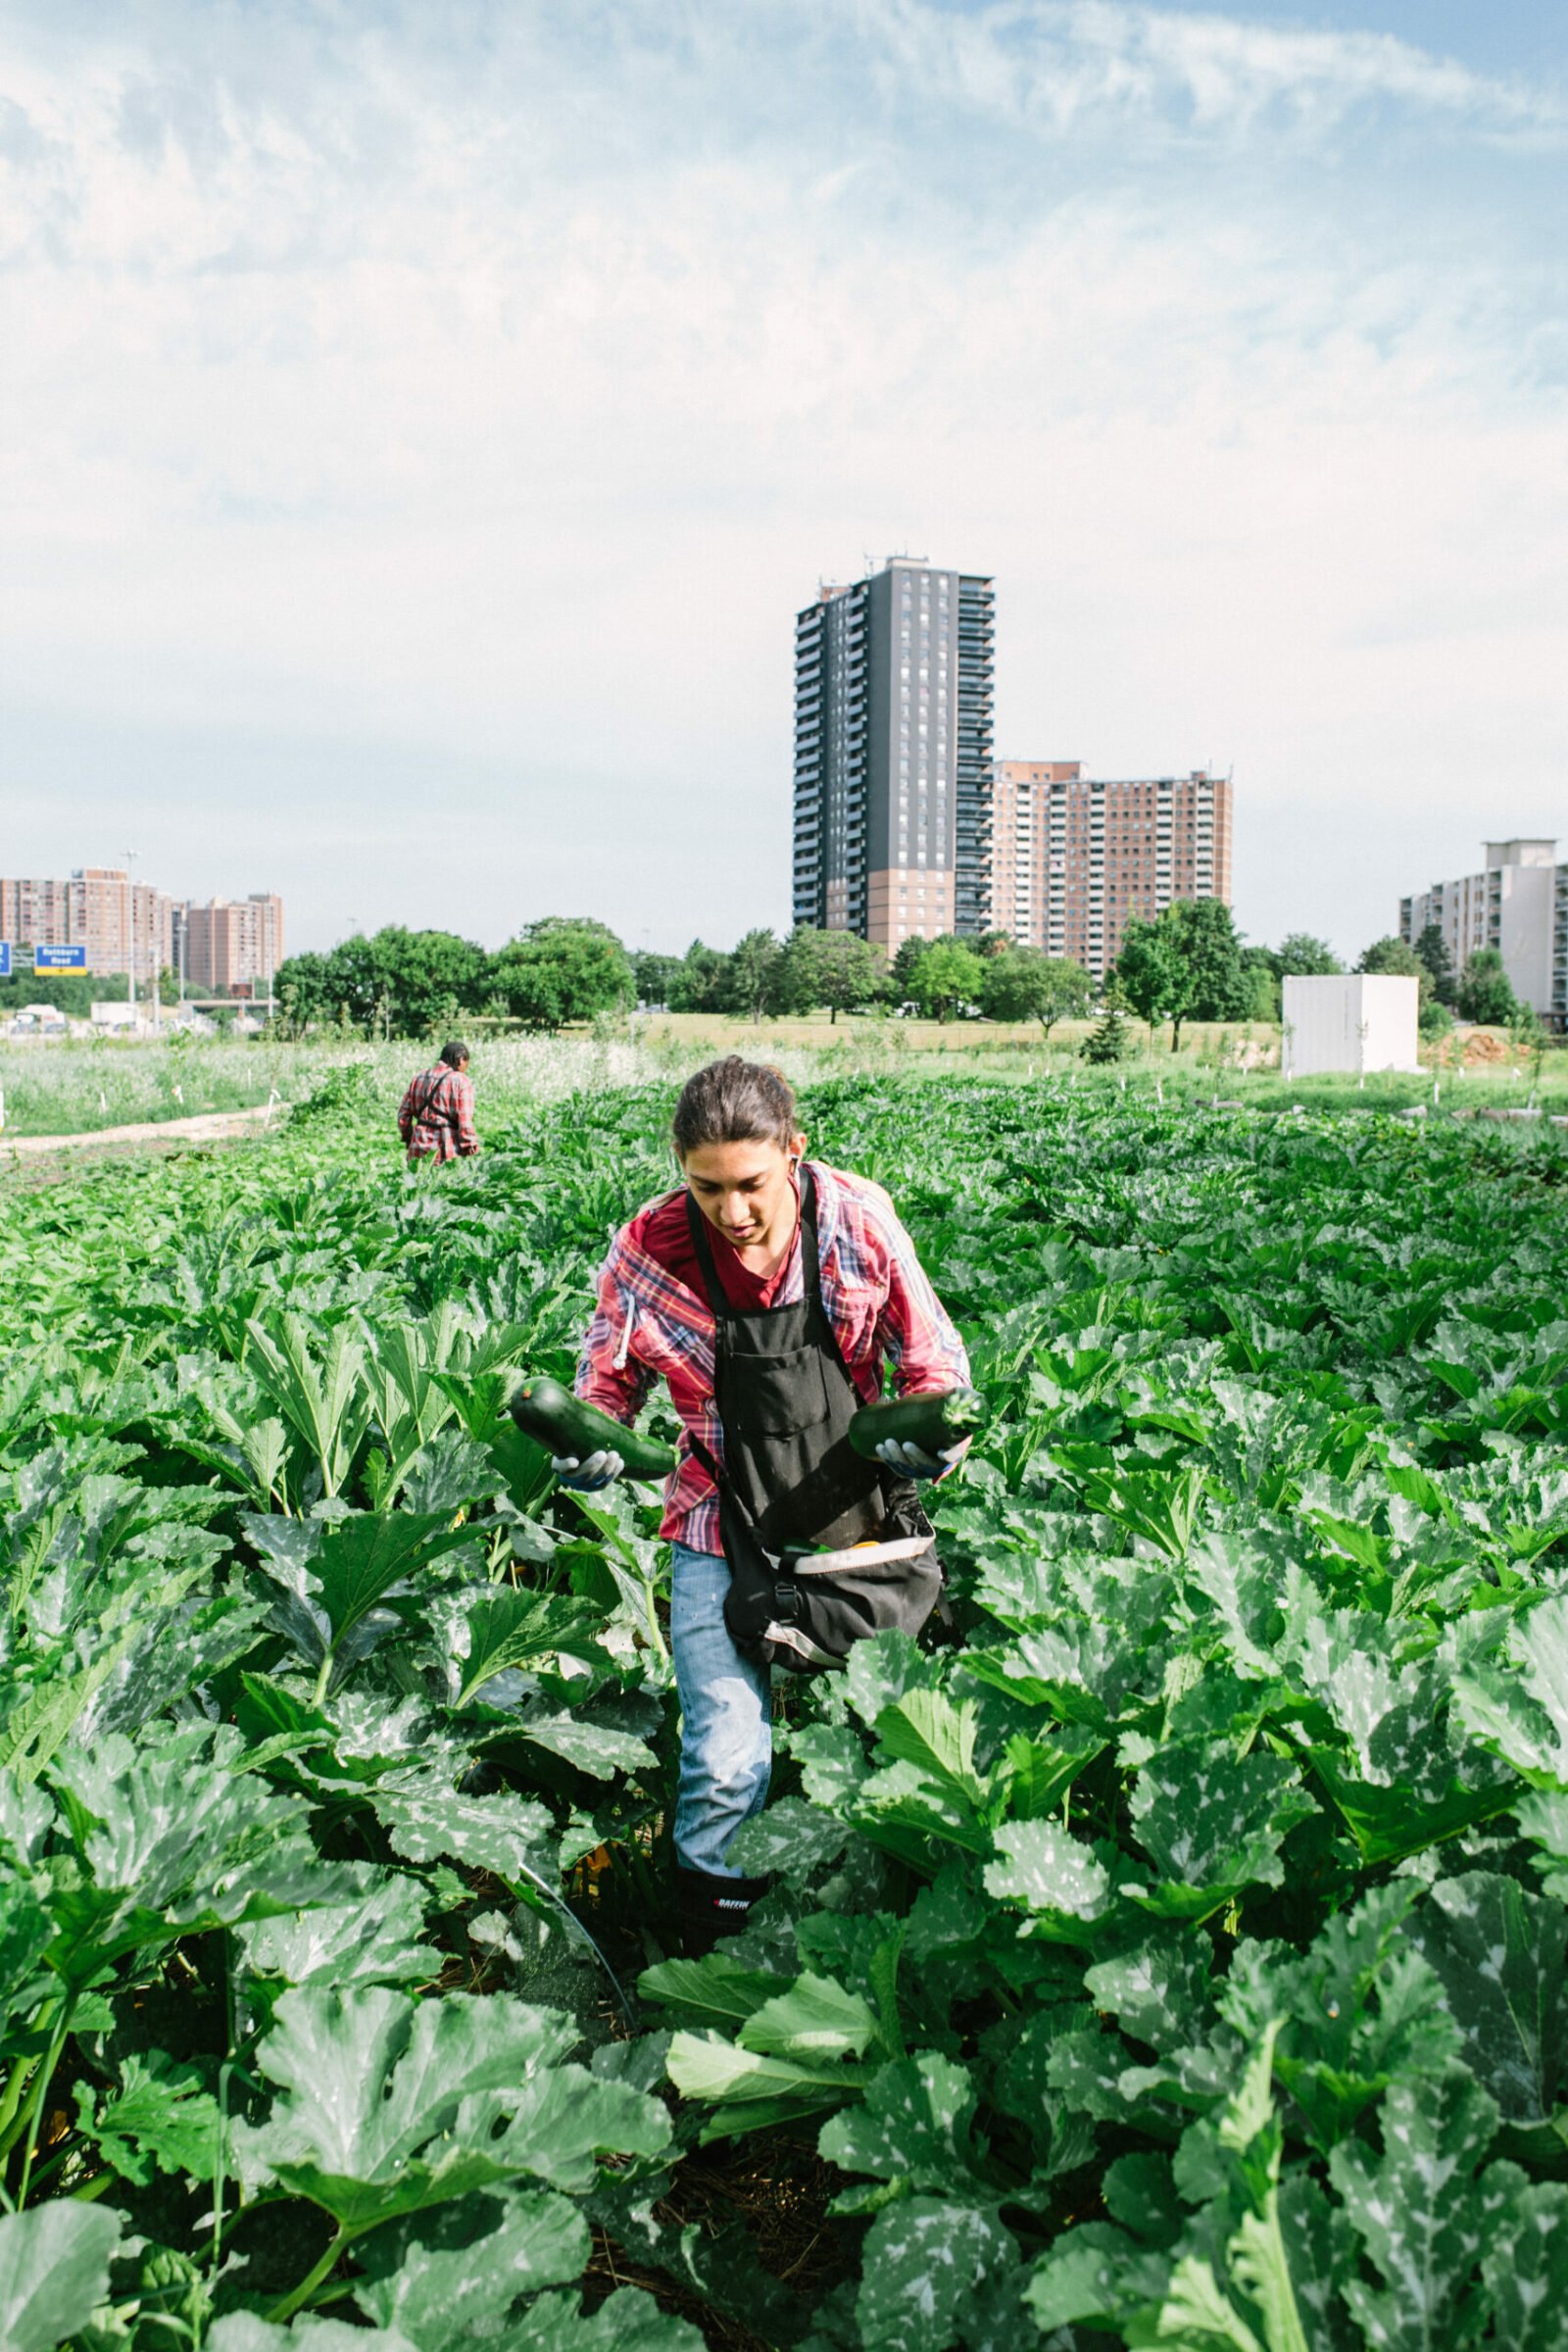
column 746, row 1191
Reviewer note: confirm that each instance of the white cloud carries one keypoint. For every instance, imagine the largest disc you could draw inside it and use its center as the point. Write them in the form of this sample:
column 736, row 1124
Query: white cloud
column 464, row 412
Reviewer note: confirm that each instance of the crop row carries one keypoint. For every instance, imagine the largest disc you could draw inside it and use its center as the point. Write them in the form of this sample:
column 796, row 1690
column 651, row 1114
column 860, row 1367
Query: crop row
column 1170, row 1948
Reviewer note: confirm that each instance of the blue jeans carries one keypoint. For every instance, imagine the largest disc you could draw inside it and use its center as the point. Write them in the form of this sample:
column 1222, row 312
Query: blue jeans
column 726, row 1736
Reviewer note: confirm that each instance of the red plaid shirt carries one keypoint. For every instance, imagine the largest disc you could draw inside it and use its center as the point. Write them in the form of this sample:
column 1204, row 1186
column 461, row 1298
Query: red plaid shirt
column 436, row 1115
column 877, row 1294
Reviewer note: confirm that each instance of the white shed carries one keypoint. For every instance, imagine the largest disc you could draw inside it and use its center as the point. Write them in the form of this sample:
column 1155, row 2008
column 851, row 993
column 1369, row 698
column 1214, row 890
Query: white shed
column 1355, row 1021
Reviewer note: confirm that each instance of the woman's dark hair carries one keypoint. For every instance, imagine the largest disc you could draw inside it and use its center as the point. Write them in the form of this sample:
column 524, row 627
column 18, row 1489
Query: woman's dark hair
column 453, row 1056
column 734, row 1101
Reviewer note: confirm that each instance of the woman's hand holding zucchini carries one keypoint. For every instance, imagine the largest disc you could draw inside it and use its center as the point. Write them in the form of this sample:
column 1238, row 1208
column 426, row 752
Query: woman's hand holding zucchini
column 587, row 1448
column 588, row 1475
column 919, row 1437
column 905, row 1459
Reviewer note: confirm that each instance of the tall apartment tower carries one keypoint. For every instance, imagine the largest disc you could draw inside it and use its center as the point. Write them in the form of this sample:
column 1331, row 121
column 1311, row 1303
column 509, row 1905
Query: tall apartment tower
column 125, row 926
column 1073, row 857
column 893, row 699
column 1518, row 903
column 233, row 946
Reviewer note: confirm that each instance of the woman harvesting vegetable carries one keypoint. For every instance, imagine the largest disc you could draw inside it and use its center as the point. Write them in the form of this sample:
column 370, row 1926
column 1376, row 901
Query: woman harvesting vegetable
column 768, row 1290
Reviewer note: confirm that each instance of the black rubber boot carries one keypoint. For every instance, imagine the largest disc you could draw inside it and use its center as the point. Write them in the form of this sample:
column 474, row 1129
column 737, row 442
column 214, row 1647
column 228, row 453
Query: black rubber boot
column 709, row 1906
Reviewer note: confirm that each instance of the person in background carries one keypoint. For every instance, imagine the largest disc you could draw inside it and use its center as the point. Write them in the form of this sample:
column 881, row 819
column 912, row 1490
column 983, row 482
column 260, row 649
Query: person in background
column 437, row 1116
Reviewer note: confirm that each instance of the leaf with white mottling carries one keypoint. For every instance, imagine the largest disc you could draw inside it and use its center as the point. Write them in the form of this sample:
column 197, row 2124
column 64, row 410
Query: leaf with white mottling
column 375, row 1939
column 1542, row 1816
column 394, row 2105
column 1499, row 1954
column 244, row 2331
column 428, row 1821
column 1213, row 1824
column 1423, row 2216
column 1523, row 1715
column 914, row 2126
column 1159, row 1989
column 1527, row 2271
column 629, row 2320
column 791, row 1840
column 1068, row 1887
column 455, row 2275
column 923, row 2261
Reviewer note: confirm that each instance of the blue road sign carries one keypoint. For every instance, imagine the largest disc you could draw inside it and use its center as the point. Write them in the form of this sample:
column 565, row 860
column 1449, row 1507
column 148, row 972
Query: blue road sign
column 5, row 959
column 51, row 959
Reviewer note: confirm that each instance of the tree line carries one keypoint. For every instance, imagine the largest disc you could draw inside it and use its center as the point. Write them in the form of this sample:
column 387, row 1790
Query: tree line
column 1189, row 964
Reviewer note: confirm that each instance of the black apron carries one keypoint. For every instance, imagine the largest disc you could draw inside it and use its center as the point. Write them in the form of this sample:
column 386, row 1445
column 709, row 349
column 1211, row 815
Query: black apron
column 823, row 1546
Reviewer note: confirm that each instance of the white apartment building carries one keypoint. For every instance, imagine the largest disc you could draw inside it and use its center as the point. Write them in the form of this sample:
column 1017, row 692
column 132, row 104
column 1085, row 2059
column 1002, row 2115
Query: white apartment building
column 1518, row 903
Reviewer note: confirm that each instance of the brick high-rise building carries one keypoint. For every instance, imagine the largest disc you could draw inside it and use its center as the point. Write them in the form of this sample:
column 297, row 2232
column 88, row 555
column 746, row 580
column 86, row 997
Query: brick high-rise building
column 233, row 947
column 893, row 694
column 125, row 926
column 1073, row 857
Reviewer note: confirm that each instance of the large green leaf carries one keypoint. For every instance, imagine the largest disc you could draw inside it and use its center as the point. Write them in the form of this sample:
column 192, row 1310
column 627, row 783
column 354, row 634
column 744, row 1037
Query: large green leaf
column 1526, row 2271
column 54, row 2272
column 915, row 2127
column 1423, row 2212
column 428, row 1820
column 754, row 2091
column 160, row 2113
column 1499, row 1954
column 394, row 2105
column 375, row 1940
column 1213, row 1824
column 509, row 1627
column 925, row 2259
column 1524, row 1714
column 175, row 1835
column 320, row 1389
column 1069, row 1889
column 454, row 2275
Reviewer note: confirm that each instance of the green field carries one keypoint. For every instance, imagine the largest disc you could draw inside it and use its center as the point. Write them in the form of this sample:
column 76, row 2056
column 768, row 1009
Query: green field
column 1169, row 1950
column 84, row 1086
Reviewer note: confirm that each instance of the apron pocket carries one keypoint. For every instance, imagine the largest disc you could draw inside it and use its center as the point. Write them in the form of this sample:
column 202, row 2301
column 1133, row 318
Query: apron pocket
column 780, row 1395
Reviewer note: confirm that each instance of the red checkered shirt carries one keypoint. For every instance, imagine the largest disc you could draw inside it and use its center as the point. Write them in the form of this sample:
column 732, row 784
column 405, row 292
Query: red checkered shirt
column 436, row 1115
column 879, row 1300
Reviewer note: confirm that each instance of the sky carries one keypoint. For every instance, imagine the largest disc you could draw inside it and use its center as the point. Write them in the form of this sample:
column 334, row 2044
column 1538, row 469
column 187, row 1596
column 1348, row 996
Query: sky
column 419, row 425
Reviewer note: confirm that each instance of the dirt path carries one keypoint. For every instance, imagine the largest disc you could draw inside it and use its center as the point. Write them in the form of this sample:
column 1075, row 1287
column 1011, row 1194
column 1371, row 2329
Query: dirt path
column 205, row 1127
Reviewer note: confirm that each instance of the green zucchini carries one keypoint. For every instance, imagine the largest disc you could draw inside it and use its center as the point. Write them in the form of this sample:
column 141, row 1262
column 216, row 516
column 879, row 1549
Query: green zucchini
column 936, row 1421
column 565, row 1425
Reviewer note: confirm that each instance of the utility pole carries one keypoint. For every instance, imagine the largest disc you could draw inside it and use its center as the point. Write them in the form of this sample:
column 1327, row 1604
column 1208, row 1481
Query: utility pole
column 130, row 857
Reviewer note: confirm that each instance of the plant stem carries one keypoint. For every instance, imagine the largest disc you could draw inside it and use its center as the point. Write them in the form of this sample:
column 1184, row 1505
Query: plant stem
column 16, row 2083
column 342, row 2237
column 33, row 2107
column 321, row 1681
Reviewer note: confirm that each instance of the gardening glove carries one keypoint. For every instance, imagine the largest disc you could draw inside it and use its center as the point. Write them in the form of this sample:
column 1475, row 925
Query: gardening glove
column 587, row 1475
column 913, row 1462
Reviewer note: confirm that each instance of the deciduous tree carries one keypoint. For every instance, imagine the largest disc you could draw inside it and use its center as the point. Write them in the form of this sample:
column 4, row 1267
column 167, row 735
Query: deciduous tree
column 1022, row 984
column 1485, row 993
column 837, row 969
column 948, row 974
column 564, row 968
column 754, row 977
